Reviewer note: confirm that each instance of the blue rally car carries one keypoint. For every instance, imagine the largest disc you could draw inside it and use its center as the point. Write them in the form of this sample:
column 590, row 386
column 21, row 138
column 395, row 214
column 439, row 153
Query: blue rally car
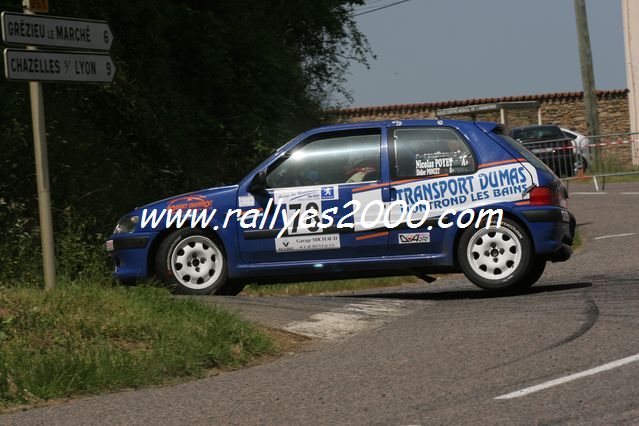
column 313, row 209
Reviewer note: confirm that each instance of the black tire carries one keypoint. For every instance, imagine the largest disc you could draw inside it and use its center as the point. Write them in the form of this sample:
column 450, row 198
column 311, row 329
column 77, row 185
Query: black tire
column 510, row 244
column 192, row 261
column 231, row 288
column 532, row 276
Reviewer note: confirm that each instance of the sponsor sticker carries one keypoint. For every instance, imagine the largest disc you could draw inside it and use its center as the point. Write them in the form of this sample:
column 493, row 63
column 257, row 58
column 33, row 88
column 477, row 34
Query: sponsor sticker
column 329, row 193
column 414, row 238
column 109, row 245
column 489, row 185
column 245, row 201
column 313, row 193
column 199, row 202
column 307, row 243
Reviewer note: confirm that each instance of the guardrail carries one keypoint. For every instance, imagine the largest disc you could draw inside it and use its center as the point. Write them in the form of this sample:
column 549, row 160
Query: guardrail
column 603, row 156
column 592, row 157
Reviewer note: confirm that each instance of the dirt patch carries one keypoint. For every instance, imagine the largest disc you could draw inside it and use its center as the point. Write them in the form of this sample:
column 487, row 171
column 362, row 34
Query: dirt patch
column 285, row 341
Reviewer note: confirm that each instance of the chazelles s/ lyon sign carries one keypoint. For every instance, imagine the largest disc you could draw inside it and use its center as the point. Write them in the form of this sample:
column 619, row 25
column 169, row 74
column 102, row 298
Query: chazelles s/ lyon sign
column 40, row 65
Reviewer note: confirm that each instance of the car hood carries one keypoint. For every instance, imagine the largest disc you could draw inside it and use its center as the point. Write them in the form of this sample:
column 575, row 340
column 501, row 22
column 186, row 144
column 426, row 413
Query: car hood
column 201, row 199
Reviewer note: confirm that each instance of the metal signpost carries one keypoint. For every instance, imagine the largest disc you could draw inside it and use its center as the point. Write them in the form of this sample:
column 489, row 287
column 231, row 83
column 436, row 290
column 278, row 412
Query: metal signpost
column 36, row 6
column 36, row 66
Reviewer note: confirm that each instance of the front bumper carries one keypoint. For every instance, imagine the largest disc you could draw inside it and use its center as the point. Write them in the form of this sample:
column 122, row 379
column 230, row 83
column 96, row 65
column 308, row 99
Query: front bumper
column 127, row 255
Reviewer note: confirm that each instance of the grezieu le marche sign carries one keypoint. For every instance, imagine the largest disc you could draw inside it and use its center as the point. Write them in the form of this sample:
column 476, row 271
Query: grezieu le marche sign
column 51, row 31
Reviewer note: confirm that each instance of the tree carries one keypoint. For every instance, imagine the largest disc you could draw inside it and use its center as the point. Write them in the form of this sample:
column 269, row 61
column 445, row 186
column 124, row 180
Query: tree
column 204, row 90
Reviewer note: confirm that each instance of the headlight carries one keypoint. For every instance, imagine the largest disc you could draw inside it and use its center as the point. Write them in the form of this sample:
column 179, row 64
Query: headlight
column 126, row 225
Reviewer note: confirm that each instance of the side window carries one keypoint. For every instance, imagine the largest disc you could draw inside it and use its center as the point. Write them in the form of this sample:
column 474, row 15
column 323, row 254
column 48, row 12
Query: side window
column 430, row 152
column 329, row 159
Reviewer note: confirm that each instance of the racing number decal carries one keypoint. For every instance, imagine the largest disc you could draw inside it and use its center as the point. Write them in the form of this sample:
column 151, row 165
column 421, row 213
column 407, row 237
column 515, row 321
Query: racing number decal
column 308, row 218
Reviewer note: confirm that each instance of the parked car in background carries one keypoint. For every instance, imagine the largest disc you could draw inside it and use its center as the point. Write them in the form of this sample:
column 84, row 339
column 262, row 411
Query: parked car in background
column 550, row 145
column 580, row 142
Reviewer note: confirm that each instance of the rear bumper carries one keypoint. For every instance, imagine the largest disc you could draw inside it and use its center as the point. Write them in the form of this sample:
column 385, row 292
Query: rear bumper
column 553, row 232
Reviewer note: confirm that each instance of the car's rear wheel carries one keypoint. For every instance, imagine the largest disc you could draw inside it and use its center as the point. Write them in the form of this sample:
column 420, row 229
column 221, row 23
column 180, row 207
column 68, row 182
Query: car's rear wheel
column 190, row 261
column 498, row 257
column 532, row 276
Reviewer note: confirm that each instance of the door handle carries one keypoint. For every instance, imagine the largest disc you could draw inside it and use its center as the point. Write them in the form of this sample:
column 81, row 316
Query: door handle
column 393, row 194
column 389, row 194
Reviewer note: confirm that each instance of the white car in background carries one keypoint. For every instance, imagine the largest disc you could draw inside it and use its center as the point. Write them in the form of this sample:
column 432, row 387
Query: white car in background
column 580, row 142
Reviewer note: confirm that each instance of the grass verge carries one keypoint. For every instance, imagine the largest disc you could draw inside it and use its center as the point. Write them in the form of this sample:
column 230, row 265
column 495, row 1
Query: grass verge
column 609, row 179
column 322, row 287
column 84, row 338
column 577, row 242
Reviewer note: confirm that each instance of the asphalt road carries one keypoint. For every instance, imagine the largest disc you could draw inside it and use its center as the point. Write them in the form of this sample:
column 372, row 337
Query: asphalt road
column 565, row 352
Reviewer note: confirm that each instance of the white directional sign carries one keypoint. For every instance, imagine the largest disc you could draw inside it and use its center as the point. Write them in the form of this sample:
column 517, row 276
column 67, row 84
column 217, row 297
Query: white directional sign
column 40, row 65
column 51, row 31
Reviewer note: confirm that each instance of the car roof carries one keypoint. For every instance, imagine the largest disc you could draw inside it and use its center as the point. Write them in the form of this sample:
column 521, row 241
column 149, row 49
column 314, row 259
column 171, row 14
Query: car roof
column 401, row 122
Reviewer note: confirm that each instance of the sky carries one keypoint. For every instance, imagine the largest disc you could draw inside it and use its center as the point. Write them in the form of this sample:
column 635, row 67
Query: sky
column 437, row 50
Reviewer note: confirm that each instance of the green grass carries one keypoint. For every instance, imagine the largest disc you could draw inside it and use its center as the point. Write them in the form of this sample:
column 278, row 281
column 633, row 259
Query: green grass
column 85, row 338
column 609, row 179
column 577, row 241
column 623, row 178
column 321, row 287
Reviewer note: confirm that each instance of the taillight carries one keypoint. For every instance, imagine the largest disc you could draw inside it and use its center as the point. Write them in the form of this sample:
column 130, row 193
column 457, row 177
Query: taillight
column 544, row 196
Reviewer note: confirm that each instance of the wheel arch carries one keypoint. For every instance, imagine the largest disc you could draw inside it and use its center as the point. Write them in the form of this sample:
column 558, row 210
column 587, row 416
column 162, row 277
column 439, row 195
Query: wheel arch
column 507, row 215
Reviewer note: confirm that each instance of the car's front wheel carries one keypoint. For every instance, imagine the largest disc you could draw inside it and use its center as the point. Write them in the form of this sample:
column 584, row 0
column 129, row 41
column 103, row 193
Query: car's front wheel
column 192, row 262
column 499, row 257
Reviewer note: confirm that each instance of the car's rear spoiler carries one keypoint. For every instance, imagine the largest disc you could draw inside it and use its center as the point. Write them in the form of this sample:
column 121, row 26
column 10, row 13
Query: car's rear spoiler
column 491, row 127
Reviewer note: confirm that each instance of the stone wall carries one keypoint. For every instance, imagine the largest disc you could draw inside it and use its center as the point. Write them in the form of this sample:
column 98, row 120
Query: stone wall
column 565, row 109
column 614, row 116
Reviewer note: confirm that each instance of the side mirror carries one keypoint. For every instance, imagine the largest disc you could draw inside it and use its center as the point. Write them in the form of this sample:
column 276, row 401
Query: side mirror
column 258, row 184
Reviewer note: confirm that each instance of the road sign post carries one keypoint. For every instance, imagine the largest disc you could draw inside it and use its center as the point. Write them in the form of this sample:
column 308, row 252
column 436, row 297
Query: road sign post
column 39, row 6
column 42, row 180
column 42, row 177
column 35, row 66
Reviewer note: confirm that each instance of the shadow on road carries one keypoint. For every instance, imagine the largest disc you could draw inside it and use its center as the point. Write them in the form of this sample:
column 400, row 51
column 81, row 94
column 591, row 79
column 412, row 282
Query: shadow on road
column 469, row 294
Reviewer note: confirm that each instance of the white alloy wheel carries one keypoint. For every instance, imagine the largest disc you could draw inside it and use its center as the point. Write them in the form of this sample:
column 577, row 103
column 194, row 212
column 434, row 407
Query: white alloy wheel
column 196, row 262
column 494, row 253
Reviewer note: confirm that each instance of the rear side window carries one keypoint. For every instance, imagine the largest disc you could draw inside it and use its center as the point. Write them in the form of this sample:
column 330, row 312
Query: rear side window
column 529, row 156
column 430, row 152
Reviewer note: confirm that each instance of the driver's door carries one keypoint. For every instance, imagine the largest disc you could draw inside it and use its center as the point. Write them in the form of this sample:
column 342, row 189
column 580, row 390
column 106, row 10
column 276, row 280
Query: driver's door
column 318, row 175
